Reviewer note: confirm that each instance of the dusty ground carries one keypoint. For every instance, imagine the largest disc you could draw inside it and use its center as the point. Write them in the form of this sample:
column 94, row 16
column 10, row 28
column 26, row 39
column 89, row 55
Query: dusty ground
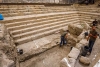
column 50, row 58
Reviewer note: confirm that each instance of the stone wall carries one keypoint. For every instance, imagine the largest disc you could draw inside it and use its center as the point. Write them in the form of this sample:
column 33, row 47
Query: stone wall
column 38, row 1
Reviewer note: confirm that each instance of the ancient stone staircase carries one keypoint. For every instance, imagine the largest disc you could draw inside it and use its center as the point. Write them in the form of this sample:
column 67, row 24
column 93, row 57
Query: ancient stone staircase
column 28, row 30
column 19, row 10
column 33, row 22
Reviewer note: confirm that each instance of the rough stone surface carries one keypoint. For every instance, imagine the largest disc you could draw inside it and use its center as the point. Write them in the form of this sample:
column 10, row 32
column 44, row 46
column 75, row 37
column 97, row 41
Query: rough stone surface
column 81, row 36
column 67, row 62
column 38, row 46
column 5, row 62
column 2, row 31
column 85, row 26
column 72, row 62
column 0, row 59
column 75, row 29
column 72, row 40
column 84, row 60
column 84, row 42
column 79, row 46
column 74, row 53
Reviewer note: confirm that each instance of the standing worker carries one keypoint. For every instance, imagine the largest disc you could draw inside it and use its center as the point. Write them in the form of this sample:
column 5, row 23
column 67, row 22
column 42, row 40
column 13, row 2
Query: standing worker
column 92, row 38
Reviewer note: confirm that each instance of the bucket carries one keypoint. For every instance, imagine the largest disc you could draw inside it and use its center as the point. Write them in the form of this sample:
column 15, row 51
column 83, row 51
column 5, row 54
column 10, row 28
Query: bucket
column 1, row 17
column 85, row 50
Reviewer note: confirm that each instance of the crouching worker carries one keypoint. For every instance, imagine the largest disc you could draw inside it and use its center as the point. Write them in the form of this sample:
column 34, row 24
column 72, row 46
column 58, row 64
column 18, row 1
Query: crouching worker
column 95, row 22
column 64, row 36
column 92, row 38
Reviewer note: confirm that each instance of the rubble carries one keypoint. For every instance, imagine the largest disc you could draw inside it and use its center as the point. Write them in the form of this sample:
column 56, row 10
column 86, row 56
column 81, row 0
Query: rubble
column 78, row 46
column 75, row 29
column 84, row 60
column 85, row 25
column 72, row 40
column 5, row 62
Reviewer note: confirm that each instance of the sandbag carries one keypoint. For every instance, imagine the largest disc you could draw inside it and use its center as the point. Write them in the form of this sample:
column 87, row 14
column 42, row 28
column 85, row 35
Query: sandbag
column 74, row 53
column 84, row 60
column 67, row 62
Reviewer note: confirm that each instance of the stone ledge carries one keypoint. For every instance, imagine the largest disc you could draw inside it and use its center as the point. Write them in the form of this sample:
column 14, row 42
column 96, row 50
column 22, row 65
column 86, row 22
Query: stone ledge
column 38, row 48
column 36, row 15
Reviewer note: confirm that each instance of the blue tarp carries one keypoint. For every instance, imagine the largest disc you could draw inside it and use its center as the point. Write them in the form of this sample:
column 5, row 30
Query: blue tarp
column 1, row 17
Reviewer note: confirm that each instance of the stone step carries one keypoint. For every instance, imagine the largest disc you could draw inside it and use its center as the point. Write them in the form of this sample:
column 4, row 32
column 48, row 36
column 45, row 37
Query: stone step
column 28, row 17
column 43, row 32
column 37, row 22
column 34, row 19
column 41, row 29
column 88, row 20
column 36, row 27
column 35, row 11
